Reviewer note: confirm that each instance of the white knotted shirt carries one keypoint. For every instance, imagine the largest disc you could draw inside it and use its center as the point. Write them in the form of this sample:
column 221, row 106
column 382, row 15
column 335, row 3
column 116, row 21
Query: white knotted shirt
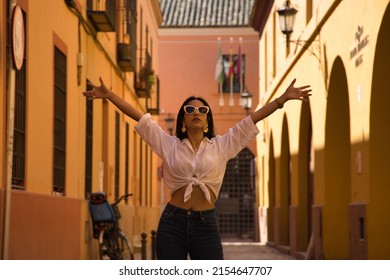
column 185, row 168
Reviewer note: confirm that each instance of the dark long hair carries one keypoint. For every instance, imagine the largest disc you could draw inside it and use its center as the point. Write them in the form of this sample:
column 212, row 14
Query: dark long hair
column 180, row 118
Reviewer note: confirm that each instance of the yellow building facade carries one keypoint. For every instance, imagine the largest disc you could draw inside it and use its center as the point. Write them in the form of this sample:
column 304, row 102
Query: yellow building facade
column 324, row 184
column 64, row 146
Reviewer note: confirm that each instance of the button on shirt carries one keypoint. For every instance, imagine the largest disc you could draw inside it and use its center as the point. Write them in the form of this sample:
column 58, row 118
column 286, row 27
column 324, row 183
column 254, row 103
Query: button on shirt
column 185, row 168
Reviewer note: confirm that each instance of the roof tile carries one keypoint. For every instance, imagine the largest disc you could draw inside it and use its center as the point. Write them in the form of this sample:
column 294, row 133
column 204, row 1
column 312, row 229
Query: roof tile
column 205, row 13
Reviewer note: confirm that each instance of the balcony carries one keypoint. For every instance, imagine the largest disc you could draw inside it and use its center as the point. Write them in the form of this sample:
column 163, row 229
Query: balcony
column 126, row 54
column 153, row 103
column 142, row 84
column 126, row 57
column 144, row 78
column 102, row 14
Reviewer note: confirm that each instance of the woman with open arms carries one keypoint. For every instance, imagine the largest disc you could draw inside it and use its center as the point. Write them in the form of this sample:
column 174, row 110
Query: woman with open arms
column 194, row 162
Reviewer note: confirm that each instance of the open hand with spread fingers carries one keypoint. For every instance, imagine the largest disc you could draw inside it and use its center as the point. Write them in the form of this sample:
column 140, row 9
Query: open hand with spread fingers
column 292, row 93
column 97, row 92
column 300, row 93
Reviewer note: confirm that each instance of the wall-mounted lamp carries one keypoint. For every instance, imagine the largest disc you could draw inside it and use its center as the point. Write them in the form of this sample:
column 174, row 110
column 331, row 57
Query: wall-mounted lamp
column 169, row 122
column 286, row 20
column 246, row 101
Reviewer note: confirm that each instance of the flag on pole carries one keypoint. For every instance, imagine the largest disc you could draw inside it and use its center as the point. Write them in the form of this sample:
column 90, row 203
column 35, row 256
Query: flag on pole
column 231, row 72
column 239, row 67
column 231, row 64
column 219, row 73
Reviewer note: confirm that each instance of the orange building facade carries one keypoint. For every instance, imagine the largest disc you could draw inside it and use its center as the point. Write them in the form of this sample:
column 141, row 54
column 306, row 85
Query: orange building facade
column 324, row 162
column 64, row 146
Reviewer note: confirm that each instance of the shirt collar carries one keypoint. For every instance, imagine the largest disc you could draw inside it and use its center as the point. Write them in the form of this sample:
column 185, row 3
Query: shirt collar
column 185, row 140
column 188, row 143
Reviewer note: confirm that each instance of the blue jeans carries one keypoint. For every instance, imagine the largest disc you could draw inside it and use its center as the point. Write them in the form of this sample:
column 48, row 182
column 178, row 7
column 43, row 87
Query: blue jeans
column 183, row 232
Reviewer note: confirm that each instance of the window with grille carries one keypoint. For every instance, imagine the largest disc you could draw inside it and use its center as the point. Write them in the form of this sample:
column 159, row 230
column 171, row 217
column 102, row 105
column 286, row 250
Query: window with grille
column 19, row 137
column 127, row 162
column 18, row 163
column 141, row 170
column 59, row 159
column 132, row 16
column 132, row 27
column 88, row 144
column 235, row 203
column 150, row 176
column 117, row 151
column 148, row 154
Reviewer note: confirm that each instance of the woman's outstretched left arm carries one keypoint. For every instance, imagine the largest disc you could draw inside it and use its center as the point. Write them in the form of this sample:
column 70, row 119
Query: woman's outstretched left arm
column 299, row 93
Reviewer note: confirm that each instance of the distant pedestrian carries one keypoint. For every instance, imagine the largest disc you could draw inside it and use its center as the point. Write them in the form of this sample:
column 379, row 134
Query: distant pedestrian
column 194, row 163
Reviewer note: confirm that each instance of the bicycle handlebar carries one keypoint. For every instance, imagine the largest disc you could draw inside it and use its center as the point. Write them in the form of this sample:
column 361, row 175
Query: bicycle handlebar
column 121, row 198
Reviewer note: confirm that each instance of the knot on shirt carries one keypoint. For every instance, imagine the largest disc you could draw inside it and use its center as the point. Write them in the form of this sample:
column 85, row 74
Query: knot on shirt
column 190, row 187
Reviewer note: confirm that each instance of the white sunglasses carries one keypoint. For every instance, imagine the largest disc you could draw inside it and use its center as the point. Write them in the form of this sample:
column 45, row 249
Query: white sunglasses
column 190, row 109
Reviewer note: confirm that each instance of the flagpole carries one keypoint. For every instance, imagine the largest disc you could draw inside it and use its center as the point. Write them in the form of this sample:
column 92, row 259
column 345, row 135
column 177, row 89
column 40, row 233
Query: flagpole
column 221, row 101
column 240, row 70
column 231, row 73
column 220, row 83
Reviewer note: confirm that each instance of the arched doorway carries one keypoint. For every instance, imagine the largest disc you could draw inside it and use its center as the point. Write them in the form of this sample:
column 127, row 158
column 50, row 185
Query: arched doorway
column 337, row 166
column 283, row 191
column 378, row 210
column 271, row 192
column 306, row 179
column 236, row 201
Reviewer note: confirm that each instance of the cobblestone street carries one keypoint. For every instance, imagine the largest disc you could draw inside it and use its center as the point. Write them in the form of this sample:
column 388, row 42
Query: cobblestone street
column 252, row 251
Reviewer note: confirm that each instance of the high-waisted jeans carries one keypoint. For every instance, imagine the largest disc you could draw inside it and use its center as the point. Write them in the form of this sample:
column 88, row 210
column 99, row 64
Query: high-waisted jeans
column 184, row 233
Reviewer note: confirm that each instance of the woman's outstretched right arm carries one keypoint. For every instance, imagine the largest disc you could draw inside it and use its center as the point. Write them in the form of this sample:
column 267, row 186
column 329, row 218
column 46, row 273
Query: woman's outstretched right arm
column 102, row 92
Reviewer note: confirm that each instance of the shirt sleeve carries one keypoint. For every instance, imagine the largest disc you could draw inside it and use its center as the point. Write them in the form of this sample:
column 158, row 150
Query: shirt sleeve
column 238, row 137
column 158, row 140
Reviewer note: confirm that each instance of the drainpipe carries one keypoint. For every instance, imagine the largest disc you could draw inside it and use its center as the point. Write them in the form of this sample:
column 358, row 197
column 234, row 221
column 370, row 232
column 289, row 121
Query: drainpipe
column 9, row 147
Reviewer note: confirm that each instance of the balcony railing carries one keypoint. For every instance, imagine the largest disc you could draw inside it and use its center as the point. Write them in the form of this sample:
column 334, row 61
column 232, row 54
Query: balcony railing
column 144, row 78
column 102, row 14
column 126, row 57
column 153, row 102
column 126, row 47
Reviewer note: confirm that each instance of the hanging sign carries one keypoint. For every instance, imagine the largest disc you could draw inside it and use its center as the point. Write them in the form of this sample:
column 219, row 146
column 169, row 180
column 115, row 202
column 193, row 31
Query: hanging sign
column 17, row 37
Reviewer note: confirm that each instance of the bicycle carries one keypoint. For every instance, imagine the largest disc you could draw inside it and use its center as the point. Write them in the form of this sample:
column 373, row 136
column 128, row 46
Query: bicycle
column 113, row 243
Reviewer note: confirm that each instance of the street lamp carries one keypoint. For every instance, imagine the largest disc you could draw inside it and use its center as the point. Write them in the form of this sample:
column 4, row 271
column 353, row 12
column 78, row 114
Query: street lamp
column 286, row 20
column 169, row 122
column 246, row 101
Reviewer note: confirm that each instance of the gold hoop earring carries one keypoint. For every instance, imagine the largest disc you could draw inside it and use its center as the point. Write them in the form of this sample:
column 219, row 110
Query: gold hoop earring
column 206, row 128
column 184, row 128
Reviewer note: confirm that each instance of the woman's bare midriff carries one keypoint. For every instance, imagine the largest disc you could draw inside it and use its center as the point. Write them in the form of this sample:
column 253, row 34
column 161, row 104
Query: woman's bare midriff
column 197, row 201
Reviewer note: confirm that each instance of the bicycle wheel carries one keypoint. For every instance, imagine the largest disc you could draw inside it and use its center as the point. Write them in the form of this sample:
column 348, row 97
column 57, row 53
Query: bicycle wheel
column 105, row 246
column 109, row 247
column 124, row 247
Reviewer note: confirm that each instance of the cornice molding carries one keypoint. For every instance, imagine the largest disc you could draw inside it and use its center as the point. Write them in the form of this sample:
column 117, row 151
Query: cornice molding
column 157, row 11
column 243, row 31
column 260, row 14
